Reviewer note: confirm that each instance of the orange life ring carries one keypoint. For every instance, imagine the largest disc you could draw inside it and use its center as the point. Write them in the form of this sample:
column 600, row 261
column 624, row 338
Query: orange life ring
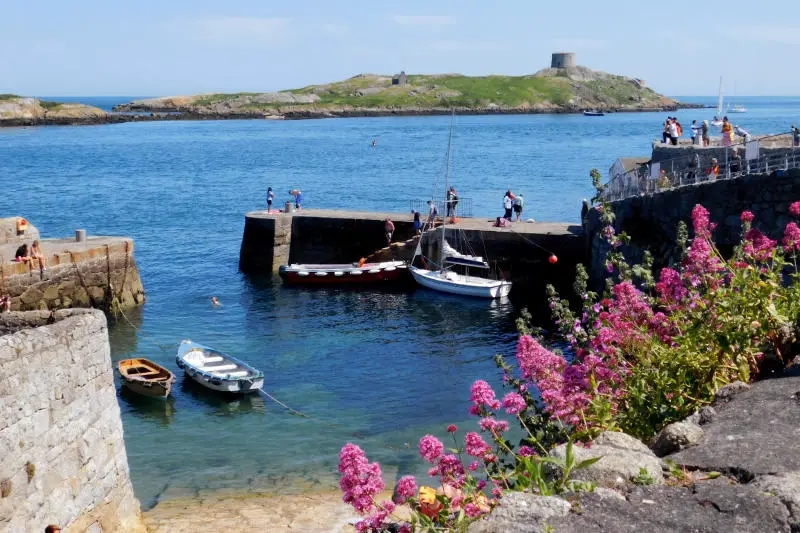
column 22, row 225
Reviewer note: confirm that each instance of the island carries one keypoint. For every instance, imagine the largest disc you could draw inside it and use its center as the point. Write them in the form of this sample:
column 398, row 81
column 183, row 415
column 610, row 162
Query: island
column 24, row 111
column 551, row 90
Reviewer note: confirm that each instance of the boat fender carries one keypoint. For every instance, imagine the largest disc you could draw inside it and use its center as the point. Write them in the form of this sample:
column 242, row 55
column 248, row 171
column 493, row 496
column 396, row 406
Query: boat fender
column 374, row 270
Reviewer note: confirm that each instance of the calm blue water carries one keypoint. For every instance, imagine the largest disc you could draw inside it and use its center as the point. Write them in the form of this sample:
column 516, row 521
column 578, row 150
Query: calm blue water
column 380, row 369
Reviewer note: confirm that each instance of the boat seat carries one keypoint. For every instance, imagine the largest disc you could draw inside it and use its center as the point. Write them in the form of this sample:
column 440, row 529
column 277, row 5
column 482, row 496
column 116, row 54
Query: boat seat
column 212, row 359
column 219, row 368
column 238, row 374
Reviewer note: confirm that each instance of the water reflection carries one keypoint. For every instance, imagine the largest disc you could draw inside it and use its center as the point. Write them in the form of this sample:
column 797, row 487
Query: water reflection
column 220, row 404
column 159, row 410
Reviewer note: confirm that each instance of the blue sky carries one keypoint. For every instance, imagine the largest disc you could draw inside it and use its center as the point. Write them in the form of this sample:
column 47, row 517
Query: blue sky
column 167, row 47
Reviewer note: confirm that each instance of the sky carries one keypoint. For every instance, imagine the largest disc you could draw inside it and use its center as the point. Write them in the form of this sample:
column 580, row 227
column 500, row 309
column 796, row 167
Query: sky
column 170, row 47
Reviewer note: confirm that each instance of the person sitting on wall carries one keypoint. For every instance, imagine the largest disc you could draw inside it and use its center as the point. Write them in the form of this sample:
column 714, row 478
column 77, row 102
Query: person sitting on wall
column 736, row 161
column 22, row 255
column 36, row 253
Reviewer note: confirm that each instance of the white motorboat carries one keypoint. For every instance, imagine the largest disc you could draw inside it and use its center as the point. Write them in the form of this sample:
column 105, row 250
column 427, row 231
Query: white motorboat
column 737, row 109
column 445, row 279
column 216, row 370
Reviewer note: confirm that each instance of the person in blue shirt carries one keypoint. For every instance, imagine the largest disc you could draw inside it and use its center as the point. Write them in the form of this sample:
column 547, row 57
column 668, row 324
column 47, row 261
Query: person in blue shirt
column 298, row 197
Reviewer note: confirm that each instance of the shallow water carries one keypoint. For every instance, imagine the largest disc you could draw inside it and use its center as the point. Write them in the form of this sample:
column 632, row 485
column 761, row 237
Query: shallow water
column 380, row 369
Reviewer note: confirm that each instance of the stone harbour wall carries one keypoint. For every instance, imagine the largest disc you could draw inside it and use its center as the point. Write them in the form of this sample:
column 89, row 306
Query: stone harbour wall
column 89, row 275
column 651, row 221
column 62, row 455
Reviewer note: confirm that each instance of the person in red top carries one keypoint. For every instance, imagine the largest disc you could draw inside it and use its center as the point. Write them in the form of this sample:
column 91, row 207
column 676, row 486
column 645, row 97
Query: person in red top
column 388, row 227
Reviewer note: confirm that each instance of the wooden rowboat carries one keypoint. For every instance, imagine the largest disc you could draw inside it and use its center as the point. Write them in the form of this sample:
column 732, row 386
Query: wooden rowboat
column 343, row 273
column 146, row 377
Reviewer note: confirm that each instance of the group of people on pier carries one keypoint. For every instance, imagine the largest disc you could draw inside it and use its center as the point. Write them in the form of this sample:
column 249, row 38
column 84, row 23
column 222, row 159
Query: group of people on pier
column 28, row 255
column 699, row 133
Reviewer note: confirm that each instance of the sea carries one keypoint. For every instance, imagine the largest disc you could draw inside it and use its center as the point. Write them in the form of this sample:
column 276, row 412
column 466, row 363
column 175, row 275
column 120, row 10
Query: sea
column 380, row 369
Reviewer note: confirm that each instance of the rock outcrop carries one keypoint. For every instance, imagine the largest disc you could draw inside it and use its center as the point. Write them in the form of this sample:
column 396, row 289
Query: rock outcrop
column 25, row 111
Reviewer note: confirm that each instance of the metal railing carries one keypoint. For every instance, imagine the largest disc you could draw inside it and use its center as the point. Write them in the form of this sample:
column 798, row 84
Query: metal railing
column 461, row 209
column 702, row 168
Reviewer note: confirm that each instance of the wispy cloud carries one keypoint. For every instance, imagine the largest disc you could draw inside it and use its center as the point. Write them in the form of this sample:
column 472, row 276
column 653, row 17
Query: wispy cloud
column 424, row 20
column 572, row 44
column 452, row 45
column 788, row 35
column 242, row 30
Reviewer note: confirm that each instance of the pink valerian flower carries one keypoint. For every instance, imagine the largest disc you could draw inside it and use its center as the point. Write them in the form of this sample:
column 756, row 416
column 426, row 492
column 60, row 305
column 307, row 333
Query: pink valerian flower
column 430, row 448
column 361, row 480
column 406, row 488
column 481, row 394
column 377, row 520
column 748, row 216
column 701, row 221
column 525, row 451
column 450, row 470
column 758, row 246
column 452, row 428
column 473, row 466
column 794, row 209
column 405, row 528
column 472, row 510
column 791, row 237
column 494, row 426
column 475, row 445
column 670, row 288
column 514, row 403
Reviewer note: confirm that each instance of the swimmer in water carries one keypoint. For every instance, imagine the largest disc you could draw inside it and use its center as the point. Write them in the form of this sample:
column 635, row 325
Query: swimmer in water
column 375, row 142
column 215, row 302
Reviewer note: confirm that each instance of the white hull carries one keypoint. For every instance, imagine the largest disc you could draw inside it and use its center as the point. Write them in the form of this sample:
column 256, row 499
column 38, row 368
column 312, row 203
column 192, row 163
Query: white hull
column 453, row 283
column 226, row 385
column 216, row 370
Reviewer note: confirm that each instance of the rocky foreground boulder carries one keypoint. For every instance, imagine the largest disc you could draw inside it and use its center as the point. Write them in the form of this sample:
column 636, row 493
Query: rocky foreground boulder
column 734, row 468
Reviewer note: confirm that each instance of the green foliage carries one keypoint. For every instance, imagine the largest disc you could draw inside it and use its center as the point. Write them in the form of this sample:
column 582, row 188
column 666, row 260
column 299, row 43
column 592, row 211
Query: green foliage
column 643, row 478
column 532, row 474
column 209, row 99
column 8, row 96
column 50, row 106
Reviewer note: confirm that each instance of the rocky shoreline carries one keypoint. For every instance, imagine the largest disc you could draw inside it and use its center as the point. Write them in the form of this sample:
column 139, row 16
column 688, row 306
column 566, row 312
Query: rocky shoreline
column 119, row 117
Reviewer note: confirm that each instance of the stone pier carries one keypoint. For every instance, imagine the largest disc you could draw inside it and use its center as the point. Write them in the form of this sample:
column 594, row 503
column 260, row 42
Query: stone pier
column 92, row 273
column 62, row 454
column 330, row 236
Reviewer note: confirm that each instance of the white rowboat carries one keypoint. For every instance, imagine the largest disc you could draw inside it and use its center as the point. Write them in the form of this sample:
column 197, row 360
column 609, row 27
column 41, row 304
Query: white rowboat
column 216, row 370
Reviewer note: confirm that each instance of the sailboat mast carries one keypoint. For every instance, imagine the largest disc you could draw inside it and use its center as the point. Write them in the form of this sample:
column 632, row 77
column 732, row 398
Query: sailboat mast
column 446, row 188
column 719, row 100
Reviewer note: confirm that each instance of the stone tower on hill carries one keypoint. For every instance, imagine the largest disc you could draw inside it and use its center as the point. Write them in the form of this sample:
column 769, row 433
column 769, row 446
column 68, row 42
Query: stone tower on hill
column 563, row 60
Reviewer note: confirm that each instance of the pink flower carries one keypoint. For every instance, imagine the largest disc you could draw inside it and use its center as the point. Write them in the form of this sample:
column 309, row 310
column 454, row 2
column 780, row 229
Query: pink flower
column 748, row 216
column 473, row 466
column 430, row 448
column 514, row 403
column 492, row 425
column 361, row 480
column 472, row 510
column 481, row 394
column 791, row 237
column 405, row 489
column 525, row 451
column 452, row 428
column 758, row 245
column 475, row 445
column 481, row 484
column 451, row 471
column 794, row 209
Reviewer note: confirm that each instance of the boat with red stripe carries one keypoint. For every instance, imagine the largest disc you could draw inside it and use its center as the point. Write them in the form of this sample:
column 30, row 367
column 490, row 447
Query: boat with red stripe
column 354, row 273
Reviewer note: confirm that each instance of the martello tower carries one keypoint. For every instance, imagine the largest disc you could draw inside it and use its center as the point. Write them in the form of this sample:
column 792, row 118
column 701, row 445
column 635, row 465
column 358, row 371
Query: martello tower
column 563, row 60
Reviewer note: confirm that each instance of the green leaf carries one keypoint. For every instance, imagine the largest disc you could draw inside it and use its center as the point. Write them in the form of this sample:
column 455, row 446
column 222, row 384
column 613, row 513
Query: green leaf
column 587, row 462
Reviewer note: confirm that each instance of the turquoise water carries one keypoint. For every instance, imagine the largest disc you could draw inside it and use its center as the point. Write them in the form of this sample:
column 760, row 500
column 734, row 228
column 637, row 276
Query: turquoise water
column 380, row 369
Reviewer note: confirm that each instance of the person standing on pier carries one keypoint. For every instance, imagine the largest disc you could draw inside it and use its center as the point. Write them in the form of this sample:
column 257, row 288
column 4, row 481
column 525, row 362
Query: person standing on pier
column 452, row 201
column 795, row 135
column 298, row 198
column 432, row 213
column 727, row 132
column 673, row 132
column 270, row 197
column 508, row 203
column 695, row 130
column 388, row 227
column 704, row 130
column 417, row 222
column 517, row 205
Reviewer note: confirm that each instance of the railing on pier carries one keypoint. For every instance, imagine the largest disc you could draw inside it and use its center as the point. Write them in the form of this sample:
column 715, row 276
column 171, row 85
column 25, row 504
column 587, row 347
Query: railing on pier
column 463, row 208
column 700, row 168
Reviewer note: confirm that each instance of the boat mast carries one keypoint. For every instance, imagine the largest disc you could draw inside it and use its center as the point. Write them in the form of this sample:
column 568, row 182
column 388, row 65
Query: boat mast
column 446, row 187
column 719, row 100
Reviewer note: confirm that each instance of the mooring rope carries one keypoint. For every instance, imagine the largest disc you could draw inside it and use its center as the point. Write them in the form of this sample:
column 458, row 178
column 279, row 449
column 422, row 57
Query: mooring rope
column 521, row 236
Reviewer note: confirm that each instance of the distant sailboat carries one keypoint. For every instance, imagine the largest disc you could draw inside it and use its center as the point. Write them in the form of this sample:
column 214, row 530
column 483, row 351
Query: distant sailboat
column 736, row 108
column 718, row 117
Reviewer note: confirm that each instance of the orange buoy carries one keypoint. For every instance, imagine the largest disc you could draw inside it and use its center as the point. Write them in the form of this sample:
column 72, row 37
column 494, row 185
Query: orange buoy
column 22, row 225
column 553, row 259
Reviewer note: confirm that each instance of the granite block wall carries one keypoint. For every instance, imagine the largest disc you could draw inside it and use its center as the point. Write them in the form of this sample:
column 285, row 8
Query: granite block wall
column 62, row 455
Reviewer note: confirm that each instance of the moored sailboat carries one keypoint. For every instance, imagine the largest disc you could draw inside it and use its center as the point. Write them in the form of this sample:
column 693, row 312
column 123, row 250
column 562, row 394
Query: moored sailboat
column 443, row 278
